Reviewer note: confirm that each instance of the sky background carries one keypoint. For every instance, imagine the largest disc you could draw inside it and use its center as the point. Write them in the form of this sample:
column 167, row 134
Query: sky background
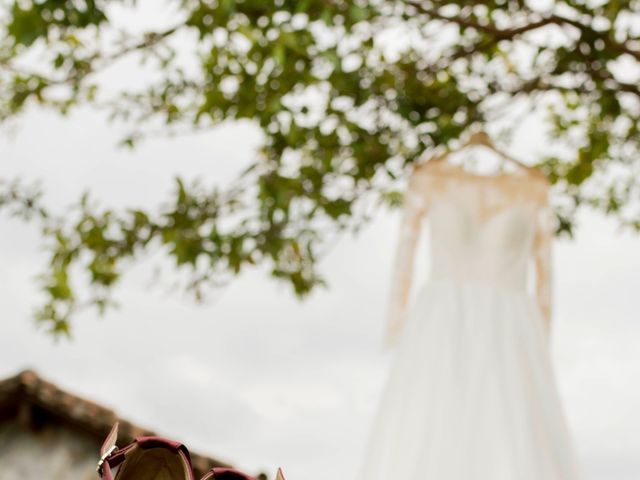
column 254, row 376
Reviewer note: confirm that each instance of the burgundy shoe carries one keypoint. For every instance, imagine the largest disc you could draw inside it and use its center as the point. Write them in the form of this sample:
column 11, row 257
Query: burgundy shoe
column 222, row 473
column 155, row 458
column 146, row 458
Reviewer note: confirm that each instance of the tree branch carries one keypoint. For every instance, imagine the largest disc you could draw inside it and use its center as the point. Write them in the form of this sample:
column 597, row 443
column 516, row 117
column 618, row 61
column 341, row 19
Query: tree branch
column 621, row 47
column 149, row 40
column 499, row 34
column 510, row 33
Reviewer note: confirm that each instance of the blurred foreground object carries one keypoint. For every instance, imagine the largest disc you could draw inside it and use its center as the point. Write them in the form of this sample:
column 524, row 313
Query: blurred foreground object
column 155, row 458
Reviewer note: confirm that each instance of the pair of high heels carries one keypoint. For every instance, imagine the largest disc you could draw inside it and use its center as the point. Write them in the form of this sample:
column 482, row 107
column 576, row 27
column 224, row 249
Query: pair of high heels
column 155, row 458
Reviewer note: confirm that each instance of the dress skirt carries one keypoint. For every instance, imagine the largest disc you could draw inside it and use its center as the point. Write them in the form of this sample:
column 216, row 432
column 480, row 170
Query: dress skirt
column 471, row 393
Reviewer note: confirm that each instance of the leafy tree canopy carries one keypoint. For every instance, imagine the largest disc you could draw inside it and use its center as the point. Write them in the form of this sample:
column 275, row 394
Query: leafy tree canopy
column 348, row 95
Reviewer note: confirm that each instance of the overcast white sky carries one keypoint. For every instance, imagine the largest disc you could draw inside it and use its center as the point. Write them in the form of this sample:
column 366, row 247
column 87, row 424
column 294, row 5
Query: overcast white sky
column 256, row 377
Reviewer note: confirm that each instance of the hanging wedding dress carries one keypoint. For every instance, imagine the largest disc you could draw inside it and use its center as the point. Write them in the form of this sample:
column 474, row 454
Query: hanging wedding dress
column 471, row 393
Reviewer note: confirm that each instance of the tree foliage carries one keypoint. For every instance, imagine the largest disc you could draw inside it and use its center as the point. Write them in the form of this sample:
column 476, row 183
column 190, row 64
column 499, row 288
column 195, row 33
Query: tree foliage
column 348, row 95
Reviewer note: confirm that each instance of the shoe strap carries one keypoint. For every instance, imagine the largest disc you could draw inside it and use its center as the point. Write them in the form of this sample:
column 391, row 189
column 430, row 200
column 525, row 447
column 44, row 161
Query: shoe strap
column 111, row 456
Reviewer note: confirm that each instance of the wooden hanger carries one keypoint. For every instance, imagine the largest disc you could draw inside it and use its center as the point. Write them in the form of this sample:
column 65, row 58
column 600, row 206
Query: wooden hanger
column 481, row 138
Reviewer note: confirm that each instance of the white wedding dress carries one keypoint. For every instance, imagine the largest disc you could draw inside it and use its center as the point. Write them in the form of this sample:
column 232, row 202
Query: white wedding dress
column 471, row 393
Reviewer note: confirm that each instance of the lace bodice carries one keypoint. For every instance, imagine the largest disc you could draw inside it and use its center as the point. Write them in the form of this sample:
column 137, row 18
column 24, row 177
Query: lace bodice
column 483, row 230
column 494, row 251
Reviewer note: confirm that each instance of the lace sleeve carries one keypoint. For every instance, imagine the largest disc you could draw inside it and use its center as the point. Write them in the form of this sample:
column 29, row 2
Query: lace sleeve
column 542, row 258
column 414, row 209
